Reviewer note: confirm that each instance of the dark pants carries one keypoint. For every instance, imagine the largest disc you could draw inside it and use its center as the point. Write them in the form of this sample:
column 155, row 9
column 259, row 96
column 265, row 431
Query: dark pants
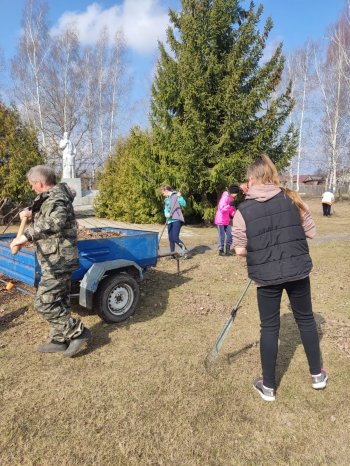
column 326, row 209
column 173, row 234
column 269, row 300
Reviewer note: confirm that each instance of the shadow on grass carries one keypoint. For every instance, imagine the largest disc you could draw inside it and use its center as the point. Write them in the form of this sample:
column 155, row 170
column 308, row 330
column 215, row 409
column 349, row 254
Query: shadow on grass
column 153, row 302
column 232, row 357
column 288, row 342
column 214, row 366
column 289, row 339
column 8, row 319
column 200, row 249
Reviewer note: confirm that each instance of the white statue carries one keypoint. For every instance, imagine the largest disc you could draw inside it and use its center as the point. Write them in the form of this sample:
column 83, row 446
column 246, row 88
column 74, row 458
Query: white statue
column 69, row 153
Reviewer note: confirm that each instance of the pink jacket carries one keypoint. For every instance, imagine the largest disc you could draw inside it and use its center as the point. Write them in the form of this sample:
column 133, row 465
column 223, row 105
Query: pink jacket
column 224, row 210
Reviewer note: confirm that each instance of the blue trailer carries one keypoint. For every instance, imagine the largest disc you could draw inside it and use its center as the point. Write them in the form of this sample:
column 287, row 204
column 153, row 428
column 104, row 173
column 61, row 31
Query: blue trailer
column 109, row 274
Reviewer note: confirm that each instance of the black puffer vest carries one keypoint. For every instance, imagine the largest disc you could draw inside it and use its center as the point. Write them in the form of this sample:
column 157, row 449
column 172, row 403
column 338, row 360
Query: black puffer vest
column 277, row 249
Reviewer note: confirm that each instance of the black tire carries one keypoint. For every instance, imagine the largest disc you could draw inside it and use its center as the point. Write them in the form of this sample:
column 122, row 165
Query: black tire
column 117, row 297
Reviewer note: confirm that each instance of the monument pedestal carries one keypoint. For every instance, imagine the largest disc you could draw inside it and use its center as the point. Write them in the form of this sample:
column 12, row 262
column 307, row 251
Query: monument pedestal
column 74, row 183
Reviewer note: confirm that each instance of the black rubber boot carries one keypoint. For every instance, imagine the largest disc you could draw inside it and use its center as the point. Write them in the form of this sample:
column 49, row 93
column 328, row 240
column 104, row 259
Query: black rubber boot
column 77, row 343
column 221, row 252
column 53, row 347
column 228, row 251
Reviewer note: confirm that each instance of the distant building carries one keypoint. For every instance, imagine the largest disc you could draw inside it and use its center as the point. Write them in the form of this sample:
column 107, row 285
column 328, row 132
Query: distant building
column 344, row 175
column 312, row 180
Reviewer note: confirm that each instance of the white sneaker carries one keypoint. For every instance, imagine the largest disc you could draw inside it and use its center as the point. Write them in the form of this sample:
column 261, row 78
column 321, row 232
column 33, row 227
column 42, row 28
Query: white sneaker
column 267, row 394
column 319, row 381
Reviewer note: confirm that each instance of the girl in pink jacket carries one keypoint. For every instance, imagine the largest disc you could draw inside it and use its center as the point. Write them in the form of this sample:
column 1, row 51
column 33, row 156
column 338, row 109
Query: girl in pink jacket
column 223, row 216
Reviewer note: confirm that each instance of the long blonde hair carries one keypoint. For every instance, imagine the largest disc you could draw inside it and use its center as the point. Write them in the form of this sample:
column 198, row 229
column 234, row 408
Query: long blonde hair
column 264, row 171
column 296, row 199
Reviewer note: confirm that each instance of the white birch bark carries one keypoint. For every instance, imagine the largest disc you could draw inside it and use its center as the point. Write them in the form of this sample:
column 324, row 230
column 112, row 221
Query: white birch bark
column 36, row 45
column 61, row 86
column 330, row 83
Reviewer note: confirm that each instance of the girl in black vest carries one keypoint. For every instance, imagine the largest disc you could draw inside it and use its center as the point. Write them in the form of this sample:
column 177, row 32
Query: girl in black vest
column 270, row 230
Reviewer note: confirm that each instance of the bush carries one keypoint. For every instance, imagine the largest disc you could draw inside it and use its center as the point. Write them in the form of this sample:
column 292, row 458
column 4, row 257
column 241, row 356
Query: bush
column 18, row 153
column 129, row 182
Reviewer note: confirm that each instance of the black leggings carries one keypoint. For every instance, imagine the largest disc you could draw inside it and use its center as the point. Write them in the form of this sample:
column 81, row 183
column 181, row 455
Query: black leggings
column 269, row 300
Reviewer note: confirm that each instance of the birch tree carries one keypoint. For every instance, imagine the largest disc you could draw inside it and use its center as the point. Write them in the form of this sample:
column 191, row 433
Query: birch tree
column 106, row 80
column 341, row 39
column 299, row 72
column 118, row 85
column 62, row 86
column 29, row 62
column 334, row 91
column 63, row 90
column 89, row 105
column 102, row 51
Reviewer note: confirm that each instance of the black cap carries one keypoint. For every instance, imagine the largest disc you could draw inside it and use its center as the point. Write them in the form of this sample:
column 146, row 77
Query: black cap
column 233, row 189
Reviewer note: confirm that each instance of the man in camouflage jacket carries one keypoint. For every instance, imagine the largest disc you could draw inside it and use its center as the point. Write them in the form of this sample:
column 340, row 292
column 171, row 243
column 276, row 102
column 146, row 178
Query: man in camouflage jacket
column 53, row 231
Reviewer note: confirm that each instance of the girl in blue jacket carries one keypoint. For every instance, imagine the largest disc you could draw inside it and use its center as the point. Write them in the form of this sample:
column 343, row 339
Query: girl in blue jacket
column 175, row 219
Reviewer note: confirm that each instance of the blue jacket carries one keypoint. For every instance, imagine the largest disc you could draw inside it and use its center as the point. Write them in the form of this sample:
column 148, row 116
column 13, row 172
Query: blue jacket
column 172, row 207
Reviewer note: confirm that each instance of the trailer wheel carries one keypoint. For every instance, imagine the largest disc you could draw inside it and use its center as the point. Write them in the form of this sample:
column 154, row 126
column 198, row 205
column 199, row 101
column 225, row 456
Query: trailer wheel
column 117, row 297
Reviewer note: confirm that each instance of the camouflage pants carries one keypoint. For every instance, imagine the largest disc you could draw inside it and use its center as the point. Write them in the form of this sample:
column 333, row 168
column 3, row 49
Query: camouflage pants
column 52, row 302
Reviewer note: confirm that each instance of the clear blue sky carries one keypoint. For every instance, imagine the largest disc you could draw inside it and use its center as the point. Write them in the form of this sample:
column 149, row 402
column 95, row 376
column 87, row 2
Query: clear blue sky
column 295, row 21
column 143, row 21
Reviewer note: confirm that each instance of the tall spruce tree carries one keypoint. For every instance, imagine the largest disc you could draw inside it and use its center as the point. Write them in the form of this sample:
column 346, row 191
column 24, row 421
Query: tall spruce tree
column 215, row 105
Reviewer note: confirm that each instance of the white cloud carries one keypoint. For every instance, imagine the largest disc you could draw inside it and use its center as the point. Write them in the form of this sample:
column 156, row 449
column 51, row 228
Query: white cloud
column 143, row 22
